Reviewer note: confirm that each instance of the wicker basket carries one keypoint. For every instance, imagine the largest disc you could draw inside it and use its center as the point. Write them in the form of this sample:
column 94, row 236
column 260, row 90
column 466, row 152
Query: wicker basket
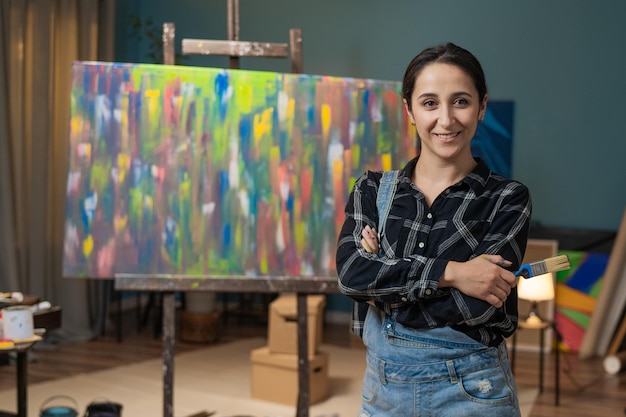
column 199, row 327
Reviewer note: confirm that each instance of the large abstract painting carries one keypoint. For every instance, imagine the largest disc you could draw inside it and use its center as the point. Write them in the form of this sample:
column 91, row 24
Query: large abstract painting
column 208, row 171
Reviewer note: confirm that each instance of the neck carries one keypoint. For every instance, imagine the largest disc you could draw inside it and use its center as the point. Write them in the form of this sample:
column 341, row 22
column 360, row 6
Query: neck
column 435, row 171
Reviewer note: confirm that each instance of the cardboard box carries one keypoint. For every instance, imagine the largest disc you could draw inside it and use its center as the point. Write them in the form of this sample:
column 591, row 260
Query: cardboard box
column 275, row 377
column 283, row 324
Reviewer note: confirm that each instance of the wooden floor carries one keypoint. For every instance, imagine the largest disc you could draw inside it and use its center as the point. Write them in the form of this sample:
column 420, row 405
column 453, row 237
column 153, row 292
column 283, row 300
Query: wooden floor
column 586, row 390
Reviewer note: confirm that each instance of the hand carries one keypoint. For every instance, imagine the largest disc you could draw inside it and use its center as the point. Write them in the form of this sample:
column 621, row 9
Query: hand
column 370, row 240
column 483, row 277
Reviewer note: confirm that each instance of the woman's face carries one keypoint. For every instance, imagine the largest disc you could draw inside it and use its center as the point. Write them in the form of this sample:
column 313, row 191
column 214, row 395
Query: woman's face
column 445, row 108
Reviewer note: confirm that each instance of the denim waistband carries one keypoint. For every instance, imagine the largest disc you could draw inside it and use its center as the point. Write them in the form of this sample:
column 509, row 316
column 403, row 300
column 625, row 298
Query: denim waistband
column 440, row 336
column 452, row 369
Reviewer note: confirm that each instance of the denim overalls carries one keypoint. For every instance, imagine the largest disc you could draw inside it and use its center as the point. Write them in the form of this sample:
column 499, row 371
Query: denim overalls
column 435, row 372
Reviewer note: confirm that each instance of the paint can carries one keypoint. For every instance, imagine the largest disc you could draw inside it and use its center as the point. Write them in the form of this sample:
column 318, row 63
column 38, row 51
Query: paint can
column 17, row 322
column 59, row 410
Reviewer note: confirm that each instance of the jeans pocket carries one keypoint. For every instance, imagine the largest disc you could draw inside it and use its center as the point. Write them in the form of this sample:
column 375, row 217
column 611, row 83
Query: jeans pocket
column 487, row 386
column 405, row 342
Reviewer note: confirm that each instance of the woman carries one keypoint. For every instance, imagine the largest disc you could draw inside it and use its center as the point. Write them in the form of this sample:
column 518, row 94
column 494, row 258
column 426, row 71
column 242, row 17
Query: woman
column 440, row 295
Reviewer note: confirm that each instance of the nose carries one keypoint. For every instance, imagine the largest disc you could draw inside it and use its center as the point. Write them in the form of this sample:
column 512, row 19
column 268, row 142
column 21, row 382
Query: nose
column 446, row 116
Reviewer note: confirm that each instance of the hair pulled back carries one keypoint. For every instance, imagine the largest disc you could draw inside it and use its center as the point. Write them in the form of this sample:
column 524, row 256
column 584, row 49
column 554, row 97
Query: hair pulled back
column 448, row 53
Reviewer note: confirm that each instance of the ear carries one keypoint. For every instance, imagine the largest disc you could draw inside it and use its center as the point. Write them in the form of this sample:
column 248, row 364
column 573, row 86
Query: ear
column 483, row 109
column 408, row 111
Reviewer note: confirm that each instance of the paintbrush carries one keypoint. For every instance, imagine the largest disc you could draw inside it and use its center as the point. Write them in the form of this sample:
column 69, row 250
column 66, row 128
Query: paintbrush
column 554, row 264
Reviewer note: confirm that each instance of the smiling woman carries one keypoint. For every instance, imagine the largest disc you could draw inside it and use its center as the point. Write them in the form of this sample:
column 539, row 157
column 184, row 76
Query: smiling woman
column 445, row 108
column 441, row 290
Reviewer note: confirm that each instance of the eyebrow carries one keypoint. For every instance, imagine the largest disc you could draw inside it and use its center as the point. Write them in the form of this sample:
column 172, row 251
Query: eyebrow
column 458, row 93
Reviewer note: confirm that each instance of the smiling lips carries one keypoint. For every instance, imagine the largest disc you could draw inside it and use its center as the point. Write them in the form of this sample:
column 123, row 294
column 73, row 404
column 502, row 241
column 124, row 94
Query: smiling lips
column 447, row 135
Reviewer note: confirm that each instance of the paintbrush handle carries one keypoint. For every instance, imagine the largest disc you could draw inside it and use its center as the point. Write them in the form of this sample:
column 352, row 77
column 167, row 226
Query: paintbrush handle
column 524, row 271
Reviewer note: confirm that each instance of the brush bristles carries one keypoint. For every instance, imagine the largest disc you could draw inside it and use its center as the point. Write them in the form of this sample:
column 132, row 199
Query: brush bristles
column 555, row 264
column 558, row 263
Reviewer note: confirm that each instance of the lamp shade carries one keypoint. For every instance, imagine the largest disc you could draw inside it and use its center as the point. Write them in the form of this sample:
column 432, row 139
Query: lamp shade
column 539, row 288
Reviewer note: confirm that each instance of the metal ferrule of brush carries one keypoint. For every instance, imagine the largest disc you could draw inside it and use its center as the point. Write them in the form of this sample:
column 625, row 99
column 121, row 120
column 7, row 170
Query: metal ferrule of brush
column 539, row 268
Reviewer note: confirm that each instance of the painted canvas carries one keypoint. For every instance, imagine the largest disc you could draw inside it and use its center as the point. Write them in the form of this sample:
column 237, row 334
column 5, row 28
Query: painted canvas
column 576, row 295
column 493, row 140
column 218, row 172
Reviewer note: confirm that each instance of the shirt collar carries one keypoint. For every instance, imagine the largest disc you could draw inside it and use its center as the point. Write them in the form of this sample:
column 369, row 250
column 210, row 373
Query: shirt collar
column 476, row 180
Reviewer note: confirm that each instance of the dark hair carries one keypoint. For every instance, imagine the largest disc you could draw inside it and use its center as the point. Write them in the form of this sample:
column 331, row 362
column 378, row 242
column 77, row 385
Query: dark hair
column 448, row 53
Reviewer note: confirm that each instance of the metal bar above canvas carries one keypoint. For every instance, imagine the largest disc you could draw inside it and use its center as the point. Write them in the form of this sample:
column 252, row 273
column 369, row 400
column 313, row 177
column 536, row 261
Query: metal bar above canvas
column 234, row 48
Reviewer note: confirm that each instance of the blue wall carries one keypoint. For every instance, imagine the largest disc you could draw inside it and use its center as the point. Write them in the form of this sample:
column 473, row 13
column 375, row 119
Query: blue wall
column 560, row 61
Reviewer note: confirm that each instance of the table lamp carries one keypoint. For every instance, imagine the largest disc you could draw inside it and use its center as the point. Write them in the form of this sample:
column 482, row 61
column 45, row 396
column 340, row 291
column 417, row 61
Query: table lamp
column 536, row 289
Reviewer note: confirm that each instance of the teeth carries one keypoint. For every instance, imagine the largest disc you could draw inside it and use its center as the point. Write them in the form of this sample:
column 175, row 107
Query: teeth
column 448, row 136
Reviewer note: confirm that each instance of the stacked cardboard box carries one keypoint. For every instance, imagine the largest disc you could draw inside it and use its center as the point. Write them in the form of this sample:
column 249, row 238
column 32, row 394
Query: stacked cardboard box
column 275, row 366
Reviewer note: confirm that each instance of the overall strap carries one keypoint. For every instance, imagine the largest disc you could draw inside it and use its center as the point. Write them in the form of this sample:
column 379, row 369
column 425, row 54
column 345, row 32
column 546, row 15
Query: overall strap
column 384, row 198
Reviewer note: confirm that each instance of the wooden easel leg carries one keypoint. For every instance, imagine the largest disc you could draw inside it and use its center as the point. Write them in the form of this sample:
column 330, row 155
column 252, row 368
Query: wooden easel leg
column 304, row 387
column 169, row 331
column 233, row 29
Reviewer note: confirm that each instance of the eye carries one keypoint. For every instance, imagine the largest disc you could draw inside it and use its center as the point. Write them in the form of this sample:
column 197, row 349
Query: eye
column 461, row 101
column 429, row 103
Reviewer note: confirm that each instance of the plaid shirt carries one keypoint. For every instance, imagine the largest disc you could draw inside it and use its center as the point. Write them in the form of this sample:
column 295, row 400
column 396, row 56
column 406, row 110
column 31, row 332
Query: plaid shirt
column 482, row 214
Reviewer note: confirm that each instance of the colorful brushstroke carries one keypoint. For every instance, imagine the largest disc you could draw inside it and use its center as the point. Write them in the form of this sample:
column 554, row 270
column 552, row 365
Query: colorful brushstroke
column 576, row 294
column 209, row 171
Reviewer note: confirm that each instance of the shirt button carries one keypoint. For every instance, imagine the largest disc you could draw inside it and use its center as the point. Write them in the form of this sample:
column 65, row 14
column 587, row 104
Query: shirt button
column 404, row 299
column 428, row 291
column 421, row 245
column 448, row 191
column 389, row 326
column 429, row 215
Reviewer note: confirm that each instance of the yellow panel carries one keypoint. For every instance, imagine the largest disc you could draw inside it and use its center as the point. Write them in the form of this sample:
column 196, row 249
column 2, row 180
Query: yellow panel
column 568, row 297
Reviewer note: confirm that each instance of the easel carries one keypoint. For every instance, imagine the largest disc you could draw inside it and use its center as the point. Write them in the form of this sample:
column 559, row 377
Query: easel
column 233, row 47
column 167, row 285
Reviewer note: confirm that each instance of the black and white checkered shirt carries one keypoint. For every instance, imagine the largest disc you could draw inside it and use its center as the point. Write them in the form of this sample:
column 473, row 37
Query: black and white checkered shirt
column 482, row 214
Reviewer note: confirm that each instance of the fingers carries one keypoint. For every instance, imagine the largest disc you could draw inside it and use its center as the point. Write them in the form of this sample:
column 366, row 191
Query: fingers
column 497, row 296
column 369, row 240
column 504, row 287
column 498, row 260
column 369, row 232
column 499, row 287
column 495, row 293
column 510, row 279
column 501, row 294
column 494, row 301
column 505, row 275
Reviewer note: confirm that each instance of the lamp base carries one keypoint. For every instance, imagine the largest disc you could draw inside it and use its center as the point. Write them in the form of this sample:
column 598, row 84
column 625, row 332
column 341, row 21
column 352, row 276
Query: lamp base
column 533, row 320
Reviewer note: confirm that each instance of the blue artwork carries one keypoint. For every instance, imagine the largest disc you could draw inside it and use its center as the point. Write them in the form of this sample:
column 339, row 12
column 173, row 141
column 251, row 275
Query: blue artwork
column 494, row 137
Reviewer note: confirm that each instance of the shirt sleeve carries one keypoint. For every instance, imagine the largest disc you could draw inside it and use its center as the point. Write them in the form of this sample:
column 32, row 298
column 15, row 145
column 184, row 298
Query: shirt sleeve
column 366, row 276
column 507, row 237
column 509, row 225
